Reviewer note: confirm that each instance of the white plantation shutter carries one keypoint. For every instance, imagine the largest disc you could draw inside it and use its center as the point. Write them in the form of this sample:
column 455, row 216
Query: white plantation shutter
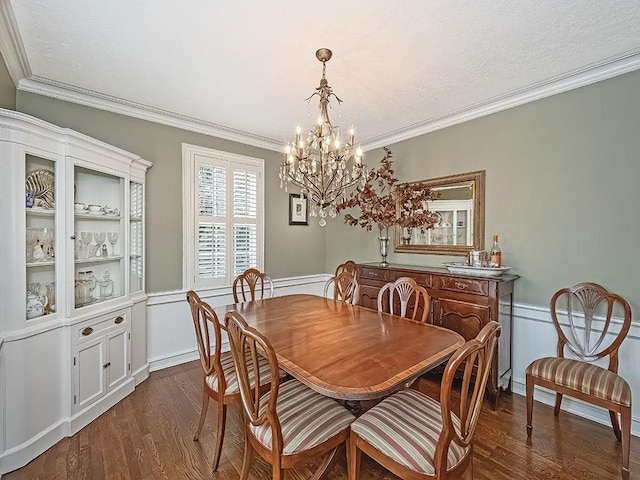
column 245, row 218
column 228, row 218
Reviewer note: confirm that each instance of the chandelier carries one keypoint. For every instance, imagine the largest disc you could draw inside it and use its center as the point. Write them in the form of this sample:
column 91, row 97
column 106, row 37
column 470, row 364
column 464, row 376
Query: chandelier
column 322, row 165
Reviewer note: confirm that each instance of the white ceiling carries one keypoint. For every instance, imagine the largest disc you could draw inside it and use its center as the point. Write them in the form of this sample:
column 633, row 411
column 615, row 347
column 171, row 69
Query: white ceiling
column 243, row 69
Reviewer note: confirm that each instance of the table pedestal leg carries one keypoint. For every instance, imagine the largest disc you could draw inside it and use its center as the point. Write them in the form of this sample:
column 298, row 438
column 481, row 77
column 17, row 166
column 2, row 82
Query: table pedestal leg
column 353, row 406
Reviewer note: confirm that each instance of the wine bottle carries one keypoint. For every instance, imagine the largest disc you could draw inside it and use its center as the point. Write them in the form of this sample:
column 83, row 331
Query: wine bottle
column 496, row 254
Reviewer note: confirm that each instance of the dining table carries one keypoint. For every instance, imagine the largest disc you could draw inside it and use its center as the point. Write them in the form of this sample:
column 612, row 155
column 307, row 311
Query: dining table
column 346, row 351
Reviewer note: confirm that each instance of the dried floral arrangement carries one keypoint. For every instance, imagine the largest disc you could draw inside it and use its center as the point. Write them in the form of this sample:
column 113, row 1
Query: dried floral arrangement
column 376, row 199
column 384, row 203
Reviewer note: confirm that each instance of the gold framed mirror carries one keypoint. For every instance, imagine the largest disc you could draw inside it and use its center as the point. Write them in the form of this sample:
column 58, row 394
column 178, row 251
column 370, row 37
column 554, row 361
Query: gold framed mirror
column 458, row 204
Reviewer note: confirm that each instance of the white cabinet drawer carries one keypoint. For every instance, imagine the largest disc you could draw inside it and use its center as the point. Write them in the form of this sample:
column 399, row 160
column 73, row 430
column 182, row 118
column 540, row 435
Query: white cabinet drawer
column 98, row 326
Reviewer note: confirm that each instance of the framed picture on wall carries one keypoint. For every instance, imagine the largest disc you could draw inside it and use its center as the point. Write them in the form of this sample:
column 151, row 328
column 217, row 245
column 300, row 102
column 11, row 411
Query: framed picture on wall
column 298, row 210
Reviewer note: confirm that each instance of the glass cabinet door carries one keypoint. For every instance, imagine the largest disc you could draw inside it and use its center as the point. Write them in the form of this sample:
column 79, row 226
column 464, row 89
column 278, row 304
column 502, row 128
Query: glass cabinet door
column 136, row 247
column 40, row 236
column 99, row 251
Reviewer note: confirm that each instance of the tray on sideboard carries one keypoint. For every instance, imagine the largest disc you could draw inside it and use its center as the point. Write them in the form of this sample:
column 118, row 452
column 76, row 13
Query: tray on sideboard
column 463, row 268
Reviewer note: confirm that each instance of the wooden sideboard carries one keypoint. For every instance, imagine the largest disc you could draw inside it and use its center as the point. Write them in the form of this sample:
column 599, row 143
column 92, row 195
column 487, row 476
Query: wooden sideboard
column 462, row 303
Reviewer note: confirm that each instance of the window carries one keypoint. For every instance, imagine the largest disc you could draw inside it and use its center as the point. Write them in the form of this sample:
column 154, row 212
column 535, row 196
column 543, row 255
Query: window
column 223, row 216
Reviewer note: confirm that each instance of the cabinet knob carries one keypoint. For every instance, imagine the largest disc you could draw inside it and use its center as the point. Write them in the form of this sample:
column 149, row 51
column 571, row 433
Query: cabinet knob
column 106, row 365
column 119, row 320
column 73, row 237
column 461, row 286
column 87, row 331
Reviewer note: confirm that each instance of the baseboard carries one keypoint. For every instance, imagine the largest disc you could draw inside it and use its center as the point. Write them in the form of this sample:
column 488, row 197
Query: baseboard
column 172, row 359
column 141, row 374
column 572, row 405
column 178, row 358
column 18, row 456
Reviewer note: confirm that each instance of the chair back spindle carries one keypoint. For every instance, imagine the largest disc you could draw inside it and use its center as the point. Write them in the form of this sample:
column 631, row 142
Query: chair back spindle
column 589, row 310
column 250, row 286
column 349, row 266
column 406, row 298
column 345, row 288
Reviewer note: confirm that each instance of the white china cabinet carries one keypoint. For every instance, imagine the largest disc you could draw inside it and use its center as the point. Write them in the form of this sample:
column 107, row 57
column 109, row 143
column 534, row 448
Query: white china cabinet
column 72, row 299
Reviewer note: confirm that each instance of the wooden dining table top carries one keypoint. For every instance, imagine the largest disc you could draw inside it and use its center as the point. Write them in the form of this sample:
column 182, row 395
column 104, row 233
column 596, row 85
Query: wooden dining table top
column 345, row 351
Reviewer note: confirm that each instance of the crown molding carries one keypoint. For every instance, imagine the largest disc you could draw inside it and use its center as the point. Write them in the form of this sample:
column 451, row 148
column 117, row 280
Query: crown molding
column 11, row 46
column 610, row 67
column 73, row 94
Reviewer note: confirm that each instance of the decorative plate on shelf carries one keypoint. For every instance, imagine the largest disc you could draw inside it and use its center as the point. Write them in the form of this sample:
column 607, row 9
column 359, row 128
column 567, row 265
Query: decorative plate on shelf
column 41, row 184
column 463, row 268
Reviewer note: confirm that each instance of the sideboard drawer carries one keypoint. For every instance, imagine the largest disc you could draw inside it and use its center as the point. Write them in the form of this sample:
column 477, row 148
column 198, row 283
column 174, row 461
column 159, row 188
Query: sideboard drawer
column 374, row 274
column 466, row 285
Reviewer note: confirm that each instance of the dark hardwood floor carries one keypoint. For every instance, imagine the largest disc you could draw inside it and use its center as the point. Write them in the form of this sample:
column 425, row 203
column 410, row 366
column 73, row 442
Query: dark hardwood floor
column 149, row 435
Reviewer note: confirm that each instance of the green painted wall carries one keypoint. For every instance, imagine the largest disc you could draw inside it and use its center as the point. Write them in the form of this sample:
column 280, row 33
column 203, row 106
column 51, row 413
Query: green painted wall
column 7, row 88
column 561, row 189
column 289, row 250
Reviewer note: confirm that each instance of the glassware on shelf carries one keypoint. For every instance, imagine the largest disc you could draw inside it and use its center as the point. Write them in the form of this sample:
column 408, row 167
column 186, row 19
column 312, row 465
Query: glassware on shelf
column 99, row 238
column 113, row 238
column 106, row 287
column 33, row 288
column 46, row 243
column 32, row 237
column 84, row 287
column 85, row 239
column 51, row 298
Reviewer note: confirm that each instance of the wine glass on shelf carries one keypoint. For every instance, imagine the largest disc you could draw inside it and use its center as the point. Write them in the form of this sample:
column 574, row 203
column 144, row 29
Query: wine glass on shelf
column 100, row 237
column 85, row 239
column 113, row 238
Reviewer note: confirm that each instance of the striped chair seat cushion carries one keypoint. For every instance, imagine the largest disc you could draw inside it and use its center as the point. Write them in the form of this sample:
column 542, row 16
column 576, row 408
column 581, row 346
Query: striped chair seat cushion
column 226, row 361
column 406, row 427
column 306, row 418
column 583, row 377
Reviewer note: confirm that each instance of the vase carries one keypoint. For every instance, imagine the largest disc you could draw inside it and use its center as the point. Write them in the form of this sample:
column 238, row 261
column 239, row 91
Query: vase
column 384, row 246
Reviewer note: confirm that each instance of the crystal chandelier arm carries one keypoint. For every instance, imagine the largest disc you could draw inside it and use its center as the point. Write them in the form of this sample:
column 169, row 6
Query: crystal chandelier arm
column 307, row 185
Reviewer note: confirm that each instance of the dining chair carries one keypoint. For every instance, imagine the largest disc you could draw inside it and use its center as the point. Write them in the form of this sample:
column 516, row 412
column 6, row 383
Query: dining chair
column 219, row 381
column 290, row 423
column 583, row 316
column 251, row 286
column 417, row 437
column 348, row 266
column 343, row 287
column 406, row 298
